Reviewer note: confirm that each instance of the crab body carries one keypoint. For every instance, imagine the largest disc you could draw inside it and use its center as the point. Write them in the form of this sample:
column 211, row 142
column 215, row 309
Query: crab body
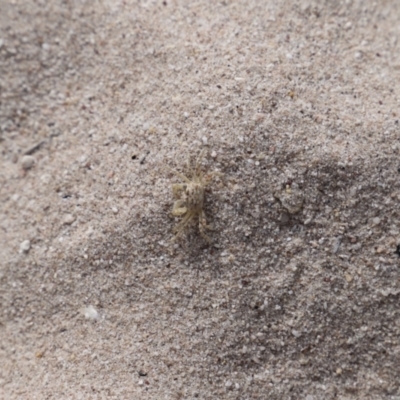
column 190, row 200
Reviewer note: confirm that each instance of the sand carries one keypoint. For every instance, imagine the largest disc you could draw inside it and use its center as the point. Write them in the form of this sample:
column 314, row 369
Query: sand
column 296, row 105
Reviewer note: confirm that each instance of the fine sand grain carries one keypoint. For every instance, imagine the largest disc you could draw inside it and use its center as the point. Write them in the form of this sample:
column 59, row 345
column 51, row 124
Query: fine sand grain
column 297, row 106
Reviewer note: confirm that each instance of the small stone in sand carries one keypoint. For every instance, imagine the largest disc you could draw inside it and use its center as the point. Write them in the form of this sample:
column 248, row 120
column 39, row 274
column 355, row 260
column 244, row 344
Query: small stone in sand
column 68, row 219
column 25, row 246
column 27, row 162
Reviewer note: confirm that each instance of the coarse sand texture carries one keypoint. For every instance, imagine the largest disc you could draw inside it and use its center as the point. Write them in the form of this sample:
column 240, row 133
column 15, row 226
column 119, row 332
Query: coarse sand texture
column 283, row 282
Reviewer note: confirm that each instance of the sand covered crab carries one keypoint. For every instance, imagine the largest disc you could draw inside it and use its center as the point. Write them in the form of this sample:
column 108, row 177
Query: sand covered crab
column 189, row 197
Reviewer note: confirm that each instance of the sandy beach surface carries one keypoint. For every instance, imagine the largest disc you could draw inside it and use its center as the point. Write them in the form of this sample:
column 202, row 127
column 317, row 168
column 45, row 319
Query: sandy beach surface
column 296, row 107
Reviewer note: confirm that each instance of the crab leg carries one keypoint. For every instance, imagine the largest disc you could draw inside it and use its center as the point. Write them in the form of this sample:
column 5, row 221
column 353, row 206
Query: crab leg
column 187, row 180
column 203, row 226
column 182, row 225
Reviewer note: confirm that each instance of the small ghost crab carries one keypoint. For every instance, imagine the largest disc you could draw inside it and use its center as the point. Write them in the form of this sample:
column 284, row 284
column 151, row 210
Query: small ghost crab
column 190, row 198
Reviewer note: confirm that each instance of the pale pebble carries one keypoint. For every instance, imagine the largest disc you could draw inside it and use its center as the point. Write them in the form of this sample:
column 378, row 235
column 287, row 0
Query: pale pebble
column 25, row 246
column 27, row 162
